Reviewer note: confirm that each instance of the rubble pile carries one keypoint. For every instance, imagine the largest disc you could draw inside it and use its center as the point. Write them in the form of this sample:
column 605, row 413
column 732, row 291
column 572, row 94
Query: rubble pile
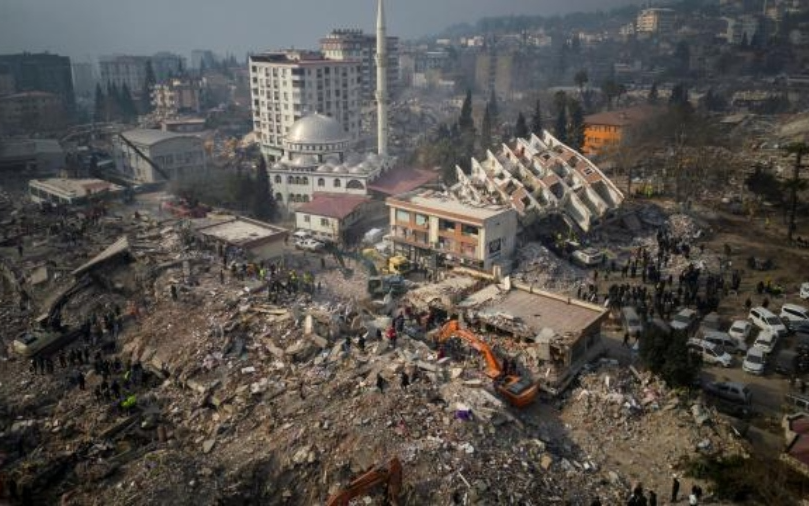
column 540, row 267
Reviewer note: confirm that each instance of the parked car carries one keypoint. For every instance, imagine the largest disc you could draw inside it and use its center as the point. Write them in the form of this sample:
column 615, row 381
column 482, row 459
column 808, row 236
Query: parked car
column 792, row 314
column 754, row 361
column 804, row 292
column 686, row 320
column 310, row 245
column 786, row 362
column 766, row 320
column 766, row 340
column 301, row 235
column 738, row 393
column 740, row 329
column 725, row 341
column 711, row 353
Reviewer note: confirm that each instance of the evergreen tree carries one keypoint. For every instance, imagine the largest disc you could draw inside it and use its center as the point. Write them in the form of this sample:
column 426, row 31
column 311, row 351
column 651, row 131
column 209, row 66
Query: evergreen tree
column 494, row 111
column 112, row 103
column 148, row 85
column 560, row 100
column 581, row 79
column 679, row 96
column 575, row 134
column 521, row 128
column 465, row 121
column 99, row 112
column 127, row 105
column 264, row 205
column 653, row 94
column 486, row 130
column 536, row 120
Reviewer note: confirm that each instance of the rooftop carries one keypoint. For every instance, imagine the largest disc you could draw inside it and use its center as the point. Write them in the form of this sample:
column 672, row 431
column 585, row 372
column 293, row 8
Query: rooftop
column 332, row 205
column 75, row 187
column 239, row 231
column 151, row 136
column 441, row 203
column 621, row 117
column 398, row 181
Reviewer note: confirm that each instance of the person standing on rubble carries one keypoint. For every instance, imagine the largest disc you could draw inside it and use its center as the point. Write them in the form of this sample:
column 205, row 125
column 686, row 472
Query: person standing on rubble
column 380, row 383
column 675, row 488
column 173, row 292
column 405, row 380
column 392, row 336
column 80, row 379
column 652, row 498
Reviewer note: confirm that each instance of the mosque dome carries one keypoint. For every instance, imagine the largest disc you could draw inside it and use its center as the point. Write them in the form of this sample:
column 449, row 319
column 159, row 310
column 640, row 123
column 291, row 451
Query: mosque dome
column 316, row 129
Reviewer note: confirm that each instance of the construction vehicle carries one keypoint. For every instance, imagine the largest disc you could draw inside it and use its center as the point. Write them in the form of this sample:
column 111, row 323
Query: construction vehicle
column 517, row 390
column 378, row 285
column 396, row 264
column 388, row 474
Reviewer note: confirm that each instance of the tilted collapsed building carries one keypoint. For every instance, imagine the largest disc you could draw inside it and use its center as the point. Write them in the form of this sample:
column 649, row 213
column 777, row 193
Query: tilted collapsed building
column 539, row 177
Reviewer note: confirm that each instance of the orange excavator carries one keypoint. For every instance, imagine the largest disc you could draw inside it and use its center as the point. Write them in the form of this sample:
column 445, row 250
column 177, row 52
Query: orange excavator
column 518, row 391
column 389, row 474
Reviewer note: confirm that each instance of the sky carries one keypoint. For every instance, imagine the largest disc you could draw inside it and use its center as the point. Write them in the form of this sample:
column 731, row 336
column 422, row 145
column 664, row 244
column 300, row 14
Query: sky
column 84, row 29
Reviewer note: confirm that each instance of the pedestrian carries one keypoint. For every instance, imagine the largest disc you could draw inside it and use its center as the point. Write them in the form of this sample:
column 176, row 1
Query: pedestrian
column 380, row 383
column 692, row 499
column 173, row 292
column 697, row 491
column 675, row 488
column 80, row 379
column 62, row 360
column 221, row 276
column 322, row 262
column 652, row 498
column 405, row 379
column 596, row 502
column 748, row 303
column 301, row 392
column 361, row 343
column 626, row 339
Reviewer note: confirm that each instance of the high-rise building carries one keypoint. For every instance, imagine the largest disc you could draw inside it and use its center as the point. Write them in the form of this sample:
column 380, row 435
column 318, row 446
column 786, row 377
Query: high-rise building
column 200, row 57
column 357, row 46
column 286, row 86
column 167, row 65
column 42, row 72
column 123, row 69
column 84, row 81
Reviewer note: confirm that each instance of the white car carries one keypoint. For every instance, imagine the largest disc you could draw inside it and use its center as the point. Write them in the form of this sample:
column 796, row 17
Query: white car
column 310, row 245
column 804, row 291
column 792, row 314
column 711, row 354
column 766, row 340
column 754, row 361
column 740, row 329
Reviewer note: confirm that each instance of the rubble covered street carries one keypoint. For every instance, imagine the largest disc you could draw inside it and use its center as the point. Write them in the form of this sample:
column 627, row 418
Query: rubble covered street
column 244, row 395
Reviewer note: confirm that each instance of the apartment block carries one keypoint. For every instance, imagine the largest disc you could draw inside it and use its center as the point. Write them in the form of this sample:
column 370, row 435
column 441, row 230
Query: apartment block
column 353, row 45
column 46, row 72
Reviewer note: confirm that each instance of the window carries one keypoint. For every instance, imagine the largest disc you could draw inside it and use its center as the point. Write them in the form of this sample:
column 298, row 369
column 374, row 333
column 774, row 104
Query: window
column 337, row 183
column 290, row 180
column 307, row 218
column 305, row 180
column 297, row 180
column 324, row 222
column 321, row 182
column 469, row 230
column 446, row 226
column 421, row 220
column 402, row 216
column 354, row 184
column 279, row 198
column 306, row 198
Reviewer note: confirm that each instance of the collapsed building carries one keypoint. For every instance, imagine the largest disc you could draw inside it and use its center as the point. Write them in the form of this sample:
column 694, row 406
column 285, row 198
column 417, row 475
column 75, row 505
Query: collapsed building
column 541, row 177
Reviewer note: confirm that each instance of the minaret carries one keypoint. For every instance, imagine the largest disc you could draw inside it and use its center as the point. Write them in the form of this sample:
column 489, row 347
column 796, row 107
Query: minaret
column 381, row 81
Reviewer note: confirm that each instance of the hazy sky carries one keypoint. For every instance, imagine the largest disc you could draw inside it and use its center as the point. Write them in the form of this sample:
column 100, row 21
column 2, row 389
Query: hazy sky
column 83, row 29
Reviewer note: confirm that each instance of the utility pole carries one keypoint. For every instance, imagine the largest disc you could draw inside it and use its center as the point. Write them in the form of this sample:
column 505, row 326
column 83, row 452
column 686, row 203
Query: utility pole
column 799, row 149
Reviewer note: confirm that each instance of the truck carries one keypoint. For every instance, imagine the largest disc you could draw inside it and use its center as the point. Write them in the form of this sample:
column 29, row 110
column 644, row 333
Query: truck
column 397, row 264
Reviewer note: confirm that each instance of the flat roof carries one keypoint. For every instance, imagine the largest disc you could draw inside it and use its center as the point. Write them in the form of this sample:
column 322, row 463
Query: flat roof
column 537, row 309
column 398, row 181
column 240, row 231
column 75, row 187
column 332, row 205
column 439, row 203
column 153, row 136
column 622, row 117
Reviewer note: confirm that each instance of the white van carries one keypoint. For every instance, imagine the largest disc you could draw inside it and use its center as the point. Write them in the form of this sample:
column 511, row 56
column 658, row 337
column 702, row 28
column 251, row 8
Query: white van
column 754, row 361
column 711, row 354
column 793, row 313
column 766, row 320
column 766, row 340
column 724, row 341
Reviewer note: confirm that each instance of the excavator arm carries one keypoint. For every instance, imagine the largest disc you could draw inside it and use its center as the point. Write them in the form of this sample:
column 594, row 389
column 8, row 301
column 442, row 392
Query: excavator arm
column 389, row 474
column 453, row 329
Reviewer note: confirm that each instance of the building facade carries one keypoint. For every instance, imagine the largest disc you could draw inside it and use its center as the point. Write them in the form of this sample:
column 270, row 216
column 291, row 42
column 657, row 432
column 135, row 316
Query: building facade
column 167, row 66
column 176, row 96
column 655, row 21
column 124, row 70
column 316, row 158
column 606, row 129
column 178, row 156
column 431, row 228
column 330, row 216
column 286, row 86
column 42, row 72
column 354, row 45
column 31, row 112
column 84, row 81
column 72, row 191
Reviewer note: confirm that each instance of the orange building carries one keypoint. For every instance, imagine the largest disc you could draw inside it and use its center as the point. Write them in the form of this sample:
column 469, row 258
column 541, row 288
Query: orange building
column 606, row 128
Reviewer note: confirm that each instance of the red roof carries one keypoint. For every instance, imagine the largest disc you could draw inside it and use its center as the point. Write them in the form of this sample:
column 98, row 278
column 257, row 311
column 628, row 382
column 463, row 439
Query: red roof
column 332, row 205
column 402, row 180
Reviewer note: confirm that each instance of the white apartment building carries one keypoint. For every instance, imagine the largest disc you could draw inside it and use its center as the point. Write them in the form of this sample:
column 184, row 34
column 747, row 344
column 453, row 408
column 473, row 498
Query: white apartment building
column 347, row 44
column 286, row 86
column 177, row 155
column 655, row 20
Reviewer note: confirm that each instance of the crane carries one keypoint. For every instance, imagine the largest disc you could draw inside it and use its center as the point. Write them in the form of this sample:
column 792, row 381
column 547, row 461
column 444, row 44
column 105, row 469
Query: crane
column 388, row 473
column 519, row 391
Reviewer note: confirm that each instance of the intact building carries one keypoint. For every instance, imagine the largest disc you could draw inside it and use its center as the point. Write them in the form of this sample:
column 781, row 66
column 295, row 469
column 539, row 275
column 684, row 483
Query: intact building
column 176, row 96
column 138, row 151
column 167, row 65
column 120, row 70
column 84, row 82
column 41, row 72
column 434, row 229
column 286, row 86
column 354, row 45
column 31, row 112
column 64, row 191
column 655, row 20
column 608, row 128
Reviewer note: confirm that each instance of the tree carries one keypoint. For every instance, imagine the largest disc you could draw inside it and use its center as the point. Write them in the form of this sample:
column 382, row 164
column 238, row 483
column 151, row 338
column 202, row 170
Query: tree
column 127, row 105
column 668, row 356
column 494, row 110
column 536, row 120
column 264, row 205
column 99, row 112
column 575, row 134
column 679, row 97
column 560, row 100
column 610, row 90
column 653, row 94
column 148, row 85
column 486, row 130
column 521, row 128
column 799, row 149
column 581, row 81
column 465, row 121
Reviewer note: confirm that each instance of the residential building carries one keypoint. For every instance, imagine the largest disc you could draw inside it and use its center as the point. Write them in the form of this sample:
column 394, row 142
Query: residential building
column 31, row 112
column 257, row 239
column 46, row 72
column 540, row 177
column 330, row 216
column 742, row 29
column 608, row 128
column 63, row 191
column 353, row 45
column 176, row 96
column 432, row 228
column 316, row 158
column 84, row 82
column 167, row 66
column 202, row 58
column 124, row 70
column 7, row 86
column 655, row 21
column 177, row 156
column 286, row 86
column 39, row 156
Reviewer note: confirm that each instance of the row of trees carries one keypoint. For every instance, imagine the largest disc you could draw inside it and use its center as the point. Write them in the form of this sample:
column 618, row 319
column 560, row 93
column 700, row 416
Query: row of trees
column 118, row 104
